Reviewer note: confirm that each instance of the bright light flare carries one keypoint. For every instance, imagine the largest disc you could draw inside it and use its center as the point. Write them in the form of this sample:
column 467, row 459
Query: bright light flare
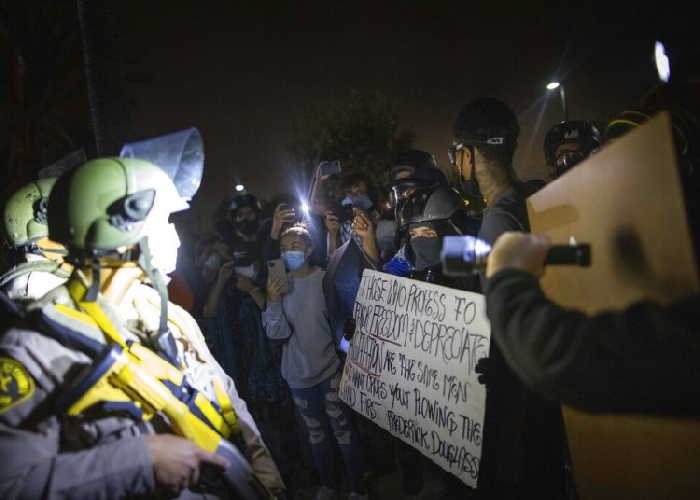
column 239, row 187
column 663, row 66
column 305, row 208
column 553, row 85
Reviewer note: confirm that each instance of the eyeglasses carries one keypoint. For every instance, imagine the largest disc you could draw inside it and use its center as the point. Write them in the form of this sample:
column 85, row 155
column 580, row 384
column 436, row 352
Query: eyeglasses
column 452, row 151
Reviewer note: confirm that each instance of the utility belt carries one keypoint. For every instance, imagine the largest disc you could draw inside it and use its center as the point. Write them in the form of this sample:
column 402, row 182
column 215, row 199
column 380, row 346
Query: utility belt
column 131, row 378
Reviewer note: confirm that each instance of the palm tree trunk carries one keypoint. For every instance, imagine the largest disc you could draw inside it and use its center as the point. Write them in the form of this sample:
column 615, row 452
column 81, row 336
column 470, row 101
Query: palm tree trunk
column 104, row 72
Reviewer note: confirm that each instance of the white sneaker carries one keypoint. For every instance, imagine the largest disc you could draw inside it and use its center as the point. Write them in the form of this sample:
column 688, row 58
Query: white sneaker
column 326, row 493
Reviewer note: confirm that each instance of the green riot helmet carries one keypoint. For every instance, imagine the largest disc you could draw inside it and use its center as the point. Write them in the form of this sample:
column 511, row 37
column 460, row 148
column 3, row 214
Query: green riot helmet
column 118, row 208
column 24, row 216
column 109, row 204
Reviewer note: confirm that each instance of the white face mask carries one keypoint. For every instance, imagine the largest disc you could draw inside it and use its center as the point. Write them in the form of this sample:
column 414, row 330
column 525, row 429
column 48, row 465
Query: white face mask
column 164, row 243
column 247, row 271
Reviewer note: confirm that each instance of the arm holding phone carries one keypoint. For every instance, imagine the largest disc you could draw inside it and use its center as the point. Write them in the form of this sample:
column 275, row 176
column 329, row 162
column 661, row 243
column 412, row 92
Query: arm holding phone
column 324, row 170
column 247, row 285
column 333, row 229
column 273, row 318
column 212, row 302
column 364, row 228
column 283, row 214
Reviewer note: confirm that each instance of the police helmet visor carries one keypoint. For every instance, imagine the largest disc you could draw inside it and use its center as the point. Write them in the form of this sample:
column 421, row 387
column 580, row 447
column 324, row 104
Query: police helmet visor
column 179, row 154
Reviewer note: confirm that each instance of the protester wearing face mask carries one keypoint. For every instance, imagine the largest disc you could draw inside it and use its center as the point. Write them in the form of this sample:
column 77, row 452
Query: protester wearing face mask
column 233, row 325
column 569, row 143
column 428, row 216
column 430, row 213
column 310, row 364
column 245, row 213
column 356, row 189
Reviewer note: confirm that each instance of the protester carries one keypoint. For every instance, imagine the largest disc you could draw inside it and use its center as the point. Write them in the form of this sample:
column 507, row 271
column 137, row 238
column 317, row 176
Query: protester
column 232, row 309
column 290, row 210
column 486, row 136
column 529, row 460
column 414, row 170
column 427, row 216
column 108, row 449
column 643, row 359
column 356, row 195
column 233, row 326
column 569, row 143
column 245, row 244
column 310, row 364
column 386, row 228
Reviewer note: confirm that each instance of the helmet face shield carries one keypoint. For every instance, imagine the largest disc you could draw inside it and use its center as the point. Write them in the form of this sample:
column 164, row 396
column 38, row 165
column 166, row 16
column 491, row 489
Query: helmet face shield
column 413, row 207
column 180, row 155
column 582, row 134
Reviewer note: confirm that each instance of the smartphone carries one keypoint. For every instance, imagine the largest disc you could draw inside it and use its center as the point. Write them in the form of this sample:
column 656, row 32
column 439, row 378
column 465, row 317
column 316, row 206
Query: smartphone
column 345, row 213
column 330, row 167
column 289, row 218
column 276, row 270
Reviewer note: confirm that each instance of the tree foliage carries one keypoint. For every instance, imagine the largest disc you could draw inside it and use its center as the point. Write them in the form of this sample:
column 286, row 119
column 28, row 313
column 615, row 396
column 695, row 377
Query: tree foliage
column 361, row 129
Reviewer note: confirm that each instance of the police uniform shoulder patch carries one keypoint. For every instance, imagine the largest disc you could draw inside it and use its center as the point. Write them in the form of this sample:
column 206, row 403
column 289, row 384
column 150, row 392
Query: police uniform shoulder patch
column 16, row 384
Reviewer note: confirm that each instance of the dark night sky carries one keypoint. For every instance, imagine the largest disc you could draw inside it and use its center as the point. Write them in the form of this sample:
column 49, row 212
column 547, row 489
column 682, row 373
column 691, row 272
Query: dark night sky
column 240, row 71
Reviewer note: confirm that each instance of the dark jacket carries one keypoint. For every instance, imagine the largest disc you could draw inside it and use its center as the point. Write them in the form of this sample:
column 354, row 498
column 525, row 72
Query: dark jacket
column 523, row 450
column 643, row 359
column 508, row 212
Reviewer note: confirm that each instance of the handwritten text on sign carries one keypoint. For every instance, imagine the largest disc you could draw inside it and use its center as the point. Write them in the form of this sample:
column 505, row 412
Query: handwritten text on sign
column 410, row 367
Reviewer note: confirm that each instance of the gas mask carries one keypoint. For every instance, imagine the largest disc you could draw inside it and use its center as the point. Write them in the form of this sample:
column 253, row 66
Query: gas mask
column 567, row 160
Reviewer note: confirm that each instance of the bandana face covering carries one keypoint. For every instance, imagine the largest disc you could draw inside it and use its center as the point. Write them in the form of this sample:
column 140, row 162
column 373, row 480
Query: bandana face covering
column 426, row 251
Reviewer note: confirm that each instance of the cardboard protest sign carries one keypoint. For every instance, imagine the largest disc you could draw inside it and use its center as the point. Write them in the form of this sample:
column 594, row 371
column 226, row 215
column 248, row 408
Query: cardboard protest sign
column 627, row 202
column 410, row 367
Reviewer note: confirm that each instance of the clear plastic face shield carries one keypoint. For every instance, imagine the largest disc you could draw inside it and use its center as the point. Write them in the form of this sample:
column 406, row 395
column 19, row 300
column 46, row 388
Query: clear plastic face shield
column 181, row 156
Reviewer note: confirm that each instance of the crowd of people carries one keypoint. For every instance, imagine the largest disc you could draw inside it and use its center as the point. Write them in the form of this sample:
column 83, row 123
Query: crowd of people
column 253, row 325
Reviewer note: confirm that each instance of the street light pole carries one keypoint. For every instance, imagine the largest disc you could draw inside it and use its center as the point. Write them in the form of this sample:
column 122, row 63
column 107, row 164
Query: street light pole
column 562, row 94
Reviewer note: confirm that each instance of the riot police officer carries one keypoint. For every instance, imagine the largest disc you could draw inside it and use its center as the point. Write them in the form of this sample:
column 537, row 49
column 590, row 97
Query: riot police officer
column 37, row 262
column 74, row 424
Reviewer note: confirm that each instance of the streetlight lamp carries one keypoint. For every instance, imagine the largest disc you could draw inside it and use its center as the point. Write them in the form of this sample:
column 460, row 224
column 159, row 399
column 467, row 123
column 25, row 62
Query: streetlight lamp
column 562, row 94
column 663, row 65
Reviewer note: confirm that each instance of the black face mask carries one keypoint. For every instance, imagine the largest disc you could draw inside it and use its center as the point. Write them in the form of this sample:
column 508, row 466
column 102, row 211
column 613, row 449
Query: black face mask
column 247, row 227
column 426, row 251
